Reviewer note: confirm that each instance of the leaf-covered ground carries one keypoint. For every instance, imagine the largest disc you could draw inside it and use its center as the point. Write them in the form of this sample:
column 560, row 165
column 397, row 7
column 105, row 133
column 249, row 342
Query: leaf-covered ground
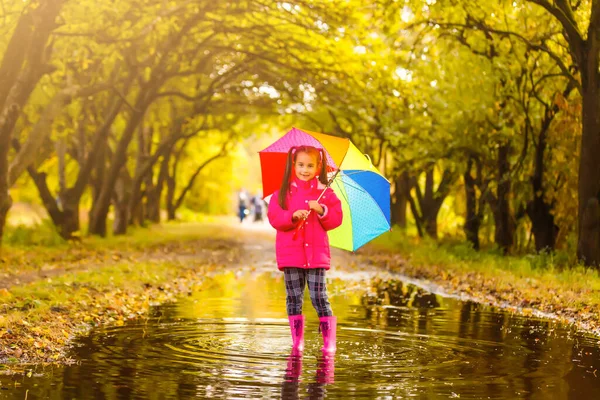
column 47, row 296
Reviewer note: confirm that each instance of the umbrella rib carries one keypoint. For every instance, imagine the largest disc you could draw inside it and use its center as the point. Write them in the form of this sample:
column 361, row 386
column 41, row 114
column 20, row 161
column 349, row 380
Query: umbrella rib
column 360, row 171
column 354, row 173
column 354, row 187
column 342, row 191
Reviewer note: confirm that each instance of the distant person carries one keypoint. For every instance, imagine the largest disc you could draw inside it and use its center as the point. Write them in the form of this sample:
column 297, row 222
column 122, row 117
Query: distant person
column 301, row 245
column 258, row 208
column 242, row 205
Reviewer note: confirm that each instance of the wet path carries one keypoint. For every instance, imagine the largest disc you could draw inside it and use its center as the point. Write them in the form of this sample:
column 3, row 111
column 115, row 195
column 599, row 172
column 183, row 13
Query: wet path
column 394, row 341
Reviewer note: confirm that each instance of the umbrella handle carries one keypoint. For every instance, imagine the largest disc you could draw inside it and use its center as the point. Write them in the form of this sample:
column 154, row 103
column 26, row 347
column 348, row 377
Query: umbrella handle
column 298, row 227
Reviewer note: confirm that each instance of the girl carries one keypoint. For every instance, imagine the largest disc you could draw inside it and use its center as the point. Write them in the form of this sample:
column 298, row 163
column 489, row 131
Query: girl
column 302, row 245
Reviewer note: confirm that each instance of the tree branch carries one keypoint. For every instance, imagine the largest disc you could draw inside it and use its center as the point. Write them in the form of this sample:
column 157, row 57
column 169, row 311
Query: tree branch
column 539, row 47
column 564, row 14
column 220, row 154
column 44, row 126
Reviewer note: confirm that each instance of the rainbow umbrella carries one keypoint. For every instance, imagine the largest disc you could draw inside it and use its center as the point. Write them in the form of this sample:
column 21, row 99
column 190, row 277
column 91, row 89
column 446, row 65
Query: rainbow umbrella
column 363, row 191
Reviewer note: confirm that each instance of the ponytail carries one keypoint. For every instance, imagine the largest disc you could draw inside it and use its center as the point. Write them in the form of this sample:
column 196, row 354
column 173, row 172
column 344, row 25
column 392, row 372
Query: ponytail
column 285, row 183
column 323, row 173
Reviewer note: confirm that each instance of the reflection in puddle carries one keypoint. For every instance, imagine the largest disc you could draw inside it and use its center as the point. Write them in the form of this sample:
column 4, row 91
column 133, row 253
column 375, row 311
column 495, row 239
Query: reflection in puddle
column 395, row 340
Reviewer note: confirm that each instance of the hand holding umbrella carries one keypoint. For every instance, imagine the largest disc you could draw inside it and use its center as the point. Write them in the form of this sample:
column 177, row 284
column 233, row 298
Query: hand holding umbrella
column 305, row 217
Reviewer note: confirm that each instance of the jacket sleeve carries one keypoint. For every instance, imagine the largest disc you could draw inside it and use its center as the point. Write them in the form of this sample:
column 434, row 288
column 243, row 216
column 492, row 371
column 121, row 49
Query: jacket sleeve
column 332, row 217
column 279, row 218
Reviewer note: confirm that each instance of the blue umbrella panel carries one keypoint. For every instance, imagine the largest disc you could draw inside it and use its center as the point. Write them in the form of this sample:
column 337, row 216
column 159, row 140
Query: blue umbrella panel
column 365, row 197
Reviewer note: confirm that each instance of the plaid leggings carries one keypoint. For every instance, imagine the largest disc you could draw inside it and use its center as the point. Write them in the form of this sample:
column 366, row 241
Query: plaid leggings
column 295, row 282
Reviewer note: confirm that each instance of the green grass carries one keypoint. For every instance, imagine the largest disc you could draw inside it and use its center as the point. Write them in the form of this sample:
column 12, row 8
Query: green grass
column 43, row 234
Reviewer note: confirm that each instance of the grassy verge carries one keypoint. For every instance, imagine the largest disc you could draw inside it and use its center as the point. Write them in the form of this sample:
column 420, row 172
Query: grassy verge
column 529, row 283
column 39, row 249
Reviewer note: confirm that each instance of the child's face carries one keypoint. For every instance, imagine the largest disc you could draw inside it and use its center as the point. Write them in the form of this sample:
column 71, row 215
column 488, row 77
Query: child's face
column 306, row 166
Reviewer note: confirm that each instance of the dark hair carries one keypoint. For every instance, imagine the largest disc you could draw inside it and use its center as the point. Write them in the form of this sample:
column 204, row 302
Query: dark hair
column 289, row 166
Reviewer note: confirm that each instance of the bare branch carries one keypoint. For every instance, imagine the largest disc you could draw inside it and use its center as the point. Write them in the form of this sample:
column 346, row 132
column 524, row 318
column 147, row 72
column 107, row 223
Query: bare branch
column 564, row 14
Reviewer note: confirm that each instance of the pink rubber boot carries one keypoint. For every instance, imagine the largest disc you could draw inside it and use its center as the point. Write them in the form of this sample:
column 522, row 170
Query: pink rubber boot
column 297, row 329
column 327, row 326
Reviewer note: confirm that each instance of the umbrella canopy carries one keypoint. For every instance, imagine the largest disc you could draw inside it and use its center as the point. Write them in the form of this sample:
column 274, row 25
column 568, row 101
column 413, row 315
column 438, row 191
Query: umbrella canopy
column 363, row 191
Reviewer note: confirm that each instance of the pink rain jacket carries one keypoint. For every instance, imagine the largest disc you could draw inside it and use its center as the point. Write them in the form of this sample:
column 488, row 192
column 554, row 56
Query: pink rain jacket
column 310, row 249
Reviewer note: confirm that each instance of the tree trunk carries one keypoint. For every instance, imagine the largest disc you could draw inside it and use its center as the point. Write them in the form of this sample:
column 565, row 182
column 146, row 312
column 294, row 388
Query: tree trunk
column 24, row 60
column 143, row 174
column 170, row 200
column 171, row 180
column 432, row 201
column 121, row 213
column 99, row 174
column 61, row 152
column 22, row 67
column 588, row 249
column 544, row 230
column 63, row 211
column 415, row 212
column 543, row 227
column 136, row 206
column 121, row 198
column 148, row 191
column 155, row 192
column 5, row 199
column 70, row 226
column 590, row 232
column 400, row 200
column 171, row 213
column 428, row 207
column 473, row 218
column 430, row 223
column 502, row 215
column 5, row 203
column 100, row 210
column 51, row 204
column 153, row 206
